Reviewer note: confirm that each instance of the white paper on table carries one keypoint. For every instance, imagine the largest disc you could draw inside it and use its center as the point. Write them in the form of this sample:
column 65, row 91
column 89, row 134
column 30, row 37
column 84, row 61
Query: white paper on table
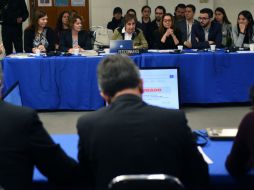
column 206, row 158
column 245, row 51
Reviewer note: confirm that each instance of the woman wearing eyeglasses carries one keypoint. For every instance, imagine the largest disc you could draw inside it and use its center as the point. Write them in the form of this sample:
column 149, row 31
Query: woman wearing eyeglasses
column 131, row 32
column 167, row 36
column 243, row 33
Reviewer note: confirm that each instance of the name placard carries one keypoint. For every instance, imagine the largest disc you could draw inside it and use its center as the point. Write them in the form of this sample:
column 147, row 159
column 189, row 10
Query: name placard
column 129, row 51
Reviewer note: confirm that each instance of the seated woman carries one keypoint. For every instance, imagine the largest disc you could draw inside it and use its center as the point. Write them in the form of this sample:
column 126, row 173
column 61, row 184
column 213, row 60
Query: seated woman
column 130, row 32
column 241, row 158
column 221, row 17
column 62, row 25
column 75, row 37
column 243, row 32
column 38, row 36
column 167, row 36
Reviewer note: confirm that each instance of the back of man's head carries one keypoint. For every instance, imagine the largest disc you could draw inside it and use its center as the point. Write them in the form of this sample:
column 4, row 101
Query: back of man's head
column 116, row 73
column 207, row 11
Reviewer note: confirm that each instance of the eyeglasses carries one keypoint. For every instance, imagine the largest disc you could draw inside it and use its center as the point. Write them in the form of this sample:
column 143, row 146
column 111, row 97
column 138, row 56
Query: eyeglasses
column 203, row 18
column 167, row 20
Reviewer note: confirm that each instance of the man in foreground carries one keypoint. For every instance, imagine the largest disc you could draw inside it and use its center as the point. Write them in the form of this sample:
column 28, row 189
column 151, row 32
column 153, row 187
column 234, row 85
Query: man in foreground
column 131, row 137
column 24, row 143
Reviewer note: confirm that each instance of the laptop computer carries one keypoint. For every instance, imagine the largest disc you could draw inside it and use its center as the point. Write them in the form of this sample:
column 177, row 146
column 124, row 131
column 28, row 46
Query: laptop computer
column 115, row 45
column 12, row 95
column 161, row 86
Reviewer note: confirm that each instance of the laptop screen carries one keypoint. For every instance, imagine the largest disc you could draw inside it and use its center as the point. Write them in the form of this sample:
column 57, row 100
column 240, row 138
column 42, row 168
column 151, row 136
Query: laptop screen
column 12, row 95
column 120, row 44
column 161, row 87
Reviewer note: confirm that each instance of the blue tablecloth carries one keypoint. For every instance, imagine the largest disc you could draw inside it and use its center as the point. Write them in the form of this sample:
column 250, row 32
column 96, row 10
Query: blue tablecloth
column 209, row 77
column 70, row 82
column 216, row 150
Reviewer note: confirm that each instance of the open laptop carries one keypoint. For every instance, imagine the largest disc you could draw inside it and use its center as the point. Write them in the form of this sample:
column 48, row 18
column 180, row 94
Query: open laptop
column 12, row 95
column 161, row 86
column 115, row 45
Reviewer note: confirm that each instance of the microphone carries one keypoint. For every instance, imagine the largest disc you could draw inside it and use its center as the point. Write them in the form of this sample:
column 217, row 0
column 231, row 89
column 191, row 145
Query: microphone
column 134, row 34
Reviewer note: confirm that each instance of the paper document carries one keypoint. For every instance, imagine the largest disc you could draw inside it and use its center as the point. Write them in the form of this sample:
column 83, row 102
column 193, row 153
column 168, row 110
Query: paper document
column 222, row 133
column 206, row 158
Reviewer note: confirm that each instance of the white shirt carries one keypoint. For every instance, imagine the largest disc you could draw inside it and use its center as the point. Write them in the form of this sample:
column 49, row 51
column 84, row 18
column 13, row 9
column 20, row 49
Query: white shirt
column 189, row 27
column 127, row 36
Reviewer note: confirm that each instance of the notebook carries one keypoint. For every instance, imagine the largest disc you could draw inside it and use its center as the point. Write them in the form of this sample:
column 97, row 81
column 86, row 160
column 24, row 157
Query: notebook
column 120, row 44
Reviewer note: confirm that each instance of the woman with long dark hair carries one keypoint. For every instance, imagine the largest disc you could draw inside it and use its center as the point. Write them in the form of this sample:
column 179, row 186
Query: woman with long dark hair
column 221, row 17
column 37, row 35
column 243, row 31
column 62, row 25
column 167, row 36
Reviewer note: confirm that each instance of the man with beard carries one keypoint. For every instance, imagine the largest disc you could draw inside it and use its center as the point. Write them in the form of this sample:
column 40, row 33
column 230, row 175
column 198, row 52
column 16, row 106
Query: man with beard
column 206, row 32
column 159, row 12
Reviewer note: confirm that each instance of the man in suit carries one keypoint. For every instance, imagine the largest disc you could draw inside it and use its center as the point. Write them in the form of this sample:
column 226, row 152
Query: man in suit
column 206, row 32
column 14, row 13
column 185, row 25
column 24, row 143
column 132, row 137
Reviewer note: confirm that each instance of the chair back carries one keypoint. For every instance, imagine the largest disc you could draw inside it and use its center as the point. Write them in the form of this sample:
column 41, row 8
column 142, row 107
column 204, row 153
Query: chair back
column 101, row 36
column 146, row 182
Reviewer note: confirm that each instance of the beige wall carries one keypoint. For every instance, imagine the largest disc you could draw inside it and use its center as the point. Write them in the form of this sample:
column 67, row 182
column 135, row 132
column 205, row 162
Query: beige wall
column 233, row 7
column 101, row 11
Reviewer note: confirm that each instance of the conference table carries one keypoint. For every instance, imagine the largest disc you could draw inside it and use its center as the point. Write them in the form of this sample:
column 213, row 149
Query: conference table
column 215, row 150
column 69, row 83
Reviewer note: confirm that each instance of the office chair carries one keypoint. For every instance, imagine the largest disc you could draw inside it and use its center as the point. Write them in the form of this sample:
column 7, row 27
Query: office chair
column 146, row 182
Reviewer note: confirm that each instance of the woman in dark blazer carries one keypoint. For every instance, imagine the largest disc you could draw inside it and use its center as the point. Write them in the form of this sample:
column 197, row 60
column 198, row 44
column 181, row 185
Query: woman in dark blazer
column 75, row 37
column 167, row 36
column 38, row 36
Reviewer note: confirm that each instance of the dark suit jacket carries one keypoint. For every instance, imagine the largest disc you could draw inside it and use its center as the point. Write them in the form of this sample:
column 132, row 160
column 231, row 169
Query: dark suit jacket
column 215, row 35
column 131, row 137
column 12, row 9
column 182, row 27
column 29, row 35
column 84, row 40
column 24, row 143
